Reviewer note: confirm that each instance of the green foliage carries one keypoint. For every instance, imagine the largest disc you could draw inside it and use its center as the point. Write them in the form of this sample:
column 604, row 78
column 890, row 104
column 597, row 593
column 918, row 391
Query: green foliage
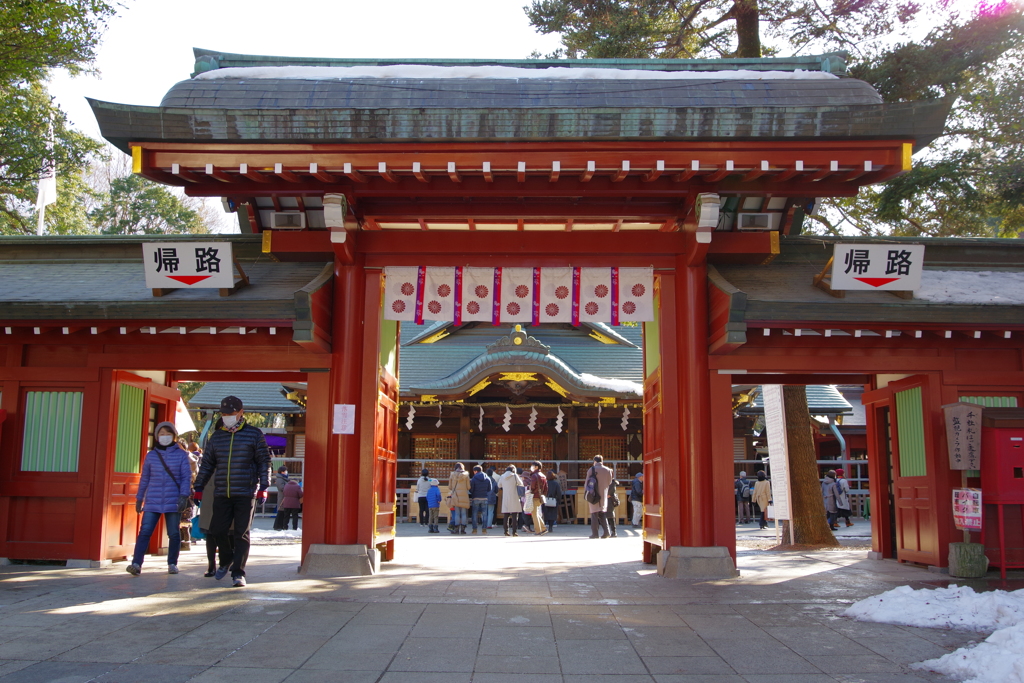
column 137, row 206
column 714, row 28
column 35, row 37
column 39, row 35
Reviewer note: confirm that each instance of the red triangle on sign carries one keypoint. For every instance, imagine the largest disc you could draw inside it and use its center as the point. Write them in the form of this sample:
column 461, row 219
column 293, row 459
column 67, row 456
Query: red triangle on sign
column 189, row 279
column 876, row 281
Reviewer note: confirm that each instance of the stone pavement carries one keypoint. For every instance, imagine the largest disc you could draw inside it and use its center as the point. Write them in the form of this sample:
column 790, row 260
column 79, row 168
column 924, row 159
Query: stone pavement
column 465, row 609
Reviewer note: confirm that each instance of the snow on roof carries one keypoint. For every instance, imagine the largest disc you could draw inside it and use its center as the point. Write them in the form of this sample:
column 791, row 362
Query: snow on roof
column 971, row 287
column 420, row 71
column 620, row 385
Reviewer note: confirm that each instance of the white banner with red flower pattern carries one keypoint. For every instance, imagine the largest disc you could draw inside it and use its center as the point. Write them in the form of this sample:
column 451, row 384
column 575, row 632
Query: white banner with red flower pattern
column 519, row 295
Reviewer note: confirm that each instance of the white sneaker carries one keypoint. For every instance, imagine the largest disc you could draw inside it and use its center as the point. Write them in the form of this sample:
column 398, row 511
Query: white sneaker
column 239, row 582
column 172, row 569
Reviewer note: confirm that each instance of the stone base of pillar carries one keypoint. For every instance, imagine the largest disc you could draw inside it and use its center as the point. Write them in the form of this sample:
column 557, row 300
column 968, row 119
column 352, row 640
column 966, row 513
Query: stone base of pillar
column 87, row 564
column 681, row 562
column 340, row 560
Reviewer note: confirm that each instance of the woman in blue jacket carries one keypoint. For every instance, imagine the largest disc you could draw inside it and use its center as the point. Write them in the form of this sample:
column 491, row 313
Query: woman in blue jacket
column 166, row 480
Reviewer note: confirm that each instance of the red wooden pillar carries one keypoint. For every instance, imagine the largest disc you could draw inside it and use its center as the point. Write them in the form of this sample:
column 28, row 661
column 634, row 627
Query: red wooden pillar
column 674, row 496
column 723, row 504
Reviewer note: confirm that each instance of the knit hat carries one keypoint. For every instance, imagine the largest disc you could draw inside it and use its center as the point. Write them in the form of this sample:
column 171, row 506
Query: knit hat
column 169, row 425
column 434, row 482
column 841, row 472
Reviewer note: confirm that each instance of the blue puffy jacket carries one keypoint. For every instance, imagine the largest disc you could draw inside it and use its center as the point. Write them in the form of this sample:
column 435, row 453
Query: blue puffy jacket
column 239, row 462
column 434, row 497
column 156, row 488
column 480, row 486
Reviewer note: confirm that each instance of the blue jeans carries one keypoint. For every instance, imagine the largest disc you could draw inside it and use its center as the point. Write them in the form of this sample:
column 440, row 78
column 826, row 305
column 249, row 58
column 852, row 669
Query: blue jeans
column 459, row 516
column 149, row 520
column 479, row 512
column 490, row 515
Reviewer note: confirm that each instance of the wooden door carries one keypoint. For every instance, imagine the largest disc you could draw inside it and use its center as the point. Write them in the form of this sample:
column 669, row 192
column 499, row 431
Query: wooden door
column 654, row 473
column 917, row 533
column 138, row 405
column 385, row 465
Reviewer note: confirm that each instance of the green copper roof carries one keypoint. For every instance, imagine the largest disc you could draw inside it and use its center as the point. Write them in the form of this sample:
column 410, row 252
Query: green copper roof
column 834, row 62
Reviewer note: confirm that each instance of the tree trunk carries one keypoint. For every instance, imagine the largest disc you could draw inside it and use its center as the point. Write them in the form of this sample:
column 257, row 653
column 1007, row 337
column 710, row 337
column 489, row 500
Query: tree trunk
column 748, row 34
column 809, row 524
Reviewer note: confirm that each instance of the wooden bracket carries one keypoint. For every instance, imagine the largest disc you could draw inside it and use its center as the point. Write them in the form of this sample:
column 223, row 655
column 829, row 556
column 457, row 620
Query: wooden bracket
column 823, row 281
column 239, row 284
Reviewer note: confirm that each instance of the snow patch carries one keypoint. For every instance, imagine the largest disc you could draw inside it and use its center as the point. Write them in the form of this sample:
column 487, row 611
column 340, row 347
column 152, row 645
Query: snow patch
column 266, row 534
column 999, row 659
column 620, row 385
column 971, row 287
column 425, row 71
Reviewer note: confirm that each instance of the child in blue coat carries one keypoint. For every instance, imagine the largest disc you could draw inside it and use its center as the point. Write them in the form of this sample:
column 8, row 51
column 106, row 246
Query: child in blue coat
column 434, row 505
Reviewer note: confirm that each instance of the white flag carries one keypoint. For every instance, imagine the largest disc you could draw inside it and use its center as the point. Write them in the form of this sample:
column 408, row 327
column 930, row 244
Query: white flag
column 182, row 420
column 517, row 295
column 477, row 294
column 556, row 295
column 47, row 193
column 439, row 294
column 400, row 293
column 596, row 295
column 636, row 294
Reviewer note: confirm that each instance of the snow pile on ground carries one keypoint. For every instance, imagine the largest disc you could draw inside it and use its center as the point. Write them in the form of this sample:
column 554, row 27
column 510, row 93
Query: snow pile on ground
column 971, row 287
column 999, row 659
column 426, row 71
column 271, row 537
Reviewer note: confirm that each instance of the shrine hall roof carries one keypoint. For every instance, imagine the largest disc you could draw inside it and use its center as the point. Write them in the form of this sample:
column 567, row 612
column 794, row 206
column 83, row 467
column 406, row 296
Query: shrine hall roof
column 100, row 278
column 257, row 397
column 248, row 98
column 427, row 364
column 969, row 282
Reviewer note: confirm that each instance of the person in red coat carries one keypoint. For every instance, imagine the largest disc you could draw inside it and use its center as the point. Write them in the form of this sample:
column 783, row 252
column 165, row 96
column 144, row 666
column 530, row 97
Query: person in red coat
column 291, row 503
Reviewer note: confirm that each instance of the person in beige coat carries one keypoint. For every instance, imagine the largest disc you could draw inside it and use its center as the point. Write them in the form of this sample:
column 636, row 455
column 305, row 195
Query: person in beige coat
column 603, row 479
column 458, row 495
column 761, row 496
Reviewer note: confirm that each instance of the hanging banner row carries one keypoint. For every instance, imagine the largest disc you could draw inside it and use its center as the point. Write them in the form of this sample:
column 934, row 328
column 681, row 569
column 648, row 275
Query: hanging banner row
column 519, row 295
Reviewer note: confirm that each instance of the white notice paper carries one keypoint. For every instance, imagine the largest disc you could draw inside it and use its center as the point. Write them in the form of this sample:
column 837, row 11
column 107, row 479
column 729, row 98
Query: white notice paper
column 344, row 419
column 778, row 447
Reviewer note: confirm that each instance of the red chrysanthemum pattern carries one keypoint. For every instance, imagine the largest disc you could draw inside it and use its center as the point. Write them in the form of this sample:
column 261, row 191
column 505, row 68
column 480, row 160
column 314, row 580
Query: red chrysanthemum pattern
column 481, row 292
column 551, row 310
column 561, row 292
column 398, row 306
column 638, row 289
column 601, row 291
column 407, row 288
column 434, row 307
column 522, row 291
column 629, row 308
column 512, row 308
column 444, row 290
column 591, row 308
column 473, row 307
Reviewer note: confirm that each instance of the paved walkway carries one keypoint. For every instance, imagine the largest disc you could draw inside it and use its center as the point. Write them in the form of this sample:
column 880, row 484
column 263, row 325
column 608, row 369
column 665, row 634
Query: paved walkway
column 468, row 609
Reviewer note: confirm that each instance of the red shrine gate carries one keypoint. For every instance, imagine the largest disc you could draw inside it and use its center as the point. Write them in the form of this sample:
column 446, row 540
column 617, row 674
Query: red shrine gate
column 711, row 197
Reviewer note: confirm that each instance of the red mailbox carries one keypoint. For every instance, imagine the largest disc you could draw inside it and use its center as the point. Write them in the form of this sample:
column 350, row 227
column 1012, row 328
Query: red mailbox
column 1002, row 455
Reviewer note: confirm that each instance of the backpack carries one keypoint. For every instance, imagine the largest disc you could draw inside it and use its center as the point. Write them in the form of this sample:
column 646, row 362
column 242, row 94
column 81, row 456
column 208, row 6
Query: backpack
column 590, row 491
column 744, row 490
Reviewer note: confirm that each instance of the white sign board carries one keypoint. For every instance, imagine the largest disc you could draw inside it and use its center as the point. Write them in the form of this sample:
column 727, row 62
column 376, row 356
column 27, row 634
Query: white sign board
column 963, row 435
column 344, row 419
column 967, row 509
column 778, row 448
column 188, row 265
column 877, row 266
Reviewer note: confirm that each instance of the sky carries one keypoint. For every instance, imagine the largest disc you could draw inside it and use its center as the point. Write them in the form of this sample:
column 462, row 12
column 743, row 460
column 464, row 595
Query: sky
column 148, row 47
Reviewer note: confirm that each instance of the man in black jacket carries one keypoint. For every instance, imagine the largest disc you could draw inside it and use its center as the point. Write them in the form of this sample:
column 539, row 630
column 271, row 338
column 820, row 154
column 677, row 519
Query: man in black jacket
column 238, row 459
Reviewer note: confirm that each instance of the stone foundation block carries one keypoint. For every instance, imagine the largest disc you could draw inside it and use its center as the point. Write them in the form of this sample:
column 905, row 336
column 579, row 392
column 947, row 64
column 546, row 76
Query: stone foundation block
column 967, row 560
column 339, row 560
column 680, row 562
column 87, row 564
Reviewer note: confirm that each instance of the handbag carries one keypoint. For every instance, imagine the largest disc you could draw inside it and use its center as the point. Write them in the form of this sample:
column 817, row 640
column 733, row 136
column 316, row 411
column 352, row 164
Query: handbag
column 550, row 502
column 184, row 502
column 528, row 502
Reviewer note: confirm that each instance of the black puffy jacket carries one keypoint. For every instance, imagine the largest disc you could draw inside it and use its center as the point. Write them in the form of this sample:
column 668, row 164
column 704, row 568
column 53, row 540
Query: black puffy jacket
column 239, row 462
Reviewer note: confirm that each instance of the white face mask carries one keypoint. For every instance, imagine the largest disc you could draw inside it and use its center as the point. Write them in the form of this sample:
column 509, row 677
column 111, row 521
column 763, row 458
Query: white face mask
column 165, row 439
column 230, row 420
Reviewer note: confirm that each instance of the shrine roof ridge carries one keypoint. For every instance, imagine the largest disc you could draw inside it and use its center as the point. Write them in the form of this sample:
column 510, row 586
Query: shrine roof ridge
column 833, row 62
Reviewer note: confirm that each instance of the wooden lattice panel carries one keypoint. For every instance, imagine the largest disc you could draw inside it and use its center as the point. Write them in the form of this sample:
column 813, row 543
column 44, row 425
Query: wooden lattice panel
column 519, row 448
column 611, row 447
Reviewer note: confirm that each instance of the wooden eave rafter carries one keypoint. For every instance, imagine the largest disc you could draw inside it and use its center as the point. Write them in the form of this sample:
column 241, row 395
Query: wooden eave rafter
column 781, row 167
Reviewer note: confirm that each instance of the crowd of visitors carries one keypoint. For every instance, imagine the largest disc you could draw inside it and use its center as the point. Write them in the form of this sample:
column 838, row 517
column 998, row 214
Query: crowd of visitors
column 528, row 499
column 753, row 501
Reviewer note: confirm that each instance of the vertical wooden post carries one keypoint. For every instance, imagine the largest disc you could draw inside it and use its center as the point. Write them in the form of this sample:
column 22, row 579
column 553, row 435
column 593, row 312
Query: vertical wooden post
column 722, row 505
column 465, row 424
column 676, row 499
column 316, row 487
column 367, row 374
column 573, row 431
